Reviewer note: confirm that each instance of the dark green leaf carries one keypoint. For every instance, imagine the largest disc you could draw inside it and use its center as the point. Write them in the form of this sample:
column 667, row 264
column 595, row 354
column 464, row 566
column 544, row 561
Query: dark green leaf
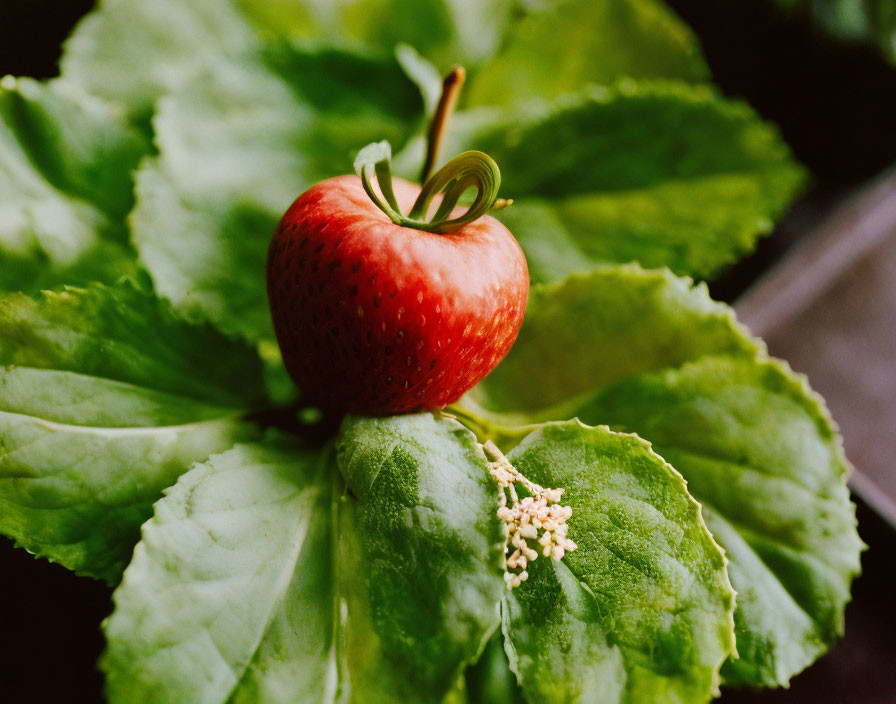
column 259, row 581
column 105, row 399
column 663, row 174
column 759, row 450
column 124, row 333
column 429, row 558
column 642, row 610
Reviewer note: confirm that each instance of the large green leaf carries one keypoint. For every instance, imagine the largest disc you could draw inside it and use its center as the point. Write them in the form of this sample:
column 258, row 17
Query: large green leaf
column 660, row 173
column 133, row 52
column 229, row 596
column 445, row 31
column 558, row 47
column 643, row 352
column 105, row 399
column 237, row 146
column 65, row 186
column 126, row 334
column 759, row 450
column 596, row 329
column 642, row 610
column 258, row 581
column 429, row 550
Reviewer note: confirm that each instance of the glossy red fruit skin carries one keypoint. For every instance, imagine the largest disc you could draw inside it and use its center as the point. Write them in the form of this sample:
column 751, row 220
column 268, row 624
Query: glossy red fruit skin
column 374, row 318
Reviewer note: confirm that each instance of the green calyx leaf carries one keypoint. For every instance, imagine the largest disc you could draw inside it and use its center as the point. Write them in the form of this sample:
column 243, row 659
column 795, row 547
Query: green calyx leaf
column 472, row 169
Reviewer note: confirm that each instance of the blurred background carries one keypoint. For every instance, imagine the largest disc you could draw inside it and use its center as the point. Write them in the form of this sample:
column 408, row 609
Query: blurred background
column 821, row 290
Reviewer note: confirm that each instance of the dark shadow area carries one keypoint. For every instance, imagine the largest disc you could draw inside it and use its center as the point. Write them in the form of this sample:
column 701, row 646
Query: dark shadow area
column 31, row 32
column 834, row 102
column 51, row 630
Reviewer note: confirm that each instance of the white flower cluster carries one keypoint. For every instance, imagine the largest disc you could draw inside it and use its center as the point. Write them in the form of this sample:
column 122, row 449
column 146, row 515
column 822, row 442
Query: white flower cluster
column 539, row 518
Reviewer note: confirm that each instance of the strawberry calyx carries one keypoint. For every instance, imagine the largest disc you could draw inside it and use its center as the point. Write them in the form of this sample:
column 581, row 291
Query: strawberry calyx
column 472, row 169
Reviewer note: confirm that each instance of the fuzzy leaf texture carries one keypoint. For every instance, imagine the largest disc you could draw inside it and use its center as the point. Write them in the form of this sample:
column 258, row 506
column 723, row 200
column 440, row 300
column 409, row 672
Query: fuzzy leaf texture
column 644, row 352
column 260, row 579
column 106, row 397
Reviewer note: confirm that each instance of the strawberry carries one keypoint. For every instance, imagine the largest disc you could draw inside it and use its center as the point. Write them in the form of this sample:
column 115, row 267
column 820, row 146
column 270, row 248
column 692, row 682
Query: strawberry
column 379, row 313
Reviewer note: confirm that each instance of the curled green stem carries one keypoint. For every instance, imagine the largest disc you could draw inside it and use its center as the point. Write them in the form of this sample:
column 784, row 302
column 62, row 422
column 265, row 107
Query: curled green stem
column 468, row 170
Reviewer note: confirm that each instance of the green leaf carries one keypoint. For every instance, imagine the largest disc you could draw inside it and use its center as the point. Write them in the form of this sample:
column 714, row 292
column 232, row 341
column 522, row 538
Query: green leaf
column 430, row 553
column 126, row 334
column 257, row 581
column 65, row 185
column 559, row 47
column 229, row 595
column 489, row 680
column 642, row 610
column 643, row 352
column 759, row 450
column 105, row 399
column 79, row 474
column 445, row 31
column 664, row 174
column 592, row 330
column 237, row 146
column 104, row 262
column 133, row 52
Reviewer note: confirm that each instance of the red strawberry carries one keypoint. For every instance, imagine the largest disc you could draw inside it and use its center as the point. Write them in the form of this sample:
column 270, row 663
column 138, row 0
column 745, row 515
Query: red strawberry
column 376, row 318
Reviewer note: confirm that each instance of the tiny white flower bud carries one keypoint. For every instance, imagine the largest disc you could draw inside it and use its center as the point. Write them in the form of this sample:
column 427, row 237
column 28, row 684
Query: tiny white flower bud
column 538, row 517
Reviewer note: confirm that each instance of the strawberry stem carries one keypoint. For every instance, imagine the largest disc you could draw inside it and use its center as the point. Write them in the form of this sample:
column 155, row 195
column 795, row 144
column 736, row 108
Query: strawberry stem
column 450, row 89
